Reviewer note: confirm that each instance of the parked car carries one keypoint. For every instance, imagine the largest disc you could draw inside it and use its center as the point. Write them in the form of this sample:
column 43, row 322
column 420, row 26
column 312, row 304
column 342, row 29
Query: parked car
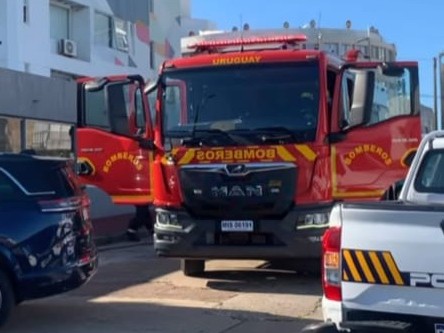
column 46, row 243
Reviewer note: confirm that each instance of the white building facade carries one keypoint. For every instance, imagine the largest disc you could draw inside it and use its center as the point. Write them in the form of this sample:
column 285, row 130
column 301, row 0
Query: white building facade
column 92, row 37
column 46, row 44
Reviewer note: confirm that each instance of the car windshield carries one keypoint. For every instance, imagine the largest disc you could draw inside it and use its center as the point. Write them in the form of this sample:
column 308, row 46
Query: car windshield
column 430, row 178
column 248, row 104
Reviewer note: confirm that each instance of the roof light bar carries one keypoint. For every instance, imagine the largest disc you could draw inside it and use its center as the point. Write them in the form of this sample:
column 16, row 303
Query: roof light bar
column 207, row 44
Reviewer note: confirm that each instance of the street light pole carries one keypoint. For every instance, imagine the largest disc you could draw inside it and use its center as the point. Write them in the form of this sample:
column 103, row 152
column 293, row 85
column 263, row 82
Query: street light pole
column 440, row 119
column 435, row 93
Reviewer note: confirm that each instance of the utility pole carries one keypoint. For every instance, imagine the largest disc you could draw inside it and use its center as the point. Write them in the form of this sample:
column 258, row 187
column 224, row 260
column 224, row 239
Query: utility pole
column 441, row 86
column 435, row 93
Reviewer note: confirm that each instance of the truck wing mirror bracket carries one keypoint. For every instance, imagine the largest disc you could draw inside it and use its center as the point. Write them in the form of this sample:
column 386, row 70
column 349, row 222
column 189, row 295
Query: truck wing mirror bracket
column 146, row 143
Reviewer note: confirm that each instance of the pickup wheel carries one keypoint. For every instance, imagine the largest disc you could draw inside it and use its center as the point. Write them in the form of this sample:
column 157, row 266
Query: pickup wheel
column 192, row 267
column 7, row 298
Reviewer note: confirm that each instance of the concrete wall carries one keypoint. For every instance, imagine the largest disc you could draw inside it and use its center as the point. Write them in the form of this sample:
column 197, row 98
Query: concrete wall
column 38, row 97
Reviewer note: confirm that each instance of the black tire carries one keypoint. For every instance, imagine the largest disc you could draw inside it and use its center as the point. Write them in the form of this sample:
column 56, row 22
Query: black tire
column 192, row 267
column 7, row 298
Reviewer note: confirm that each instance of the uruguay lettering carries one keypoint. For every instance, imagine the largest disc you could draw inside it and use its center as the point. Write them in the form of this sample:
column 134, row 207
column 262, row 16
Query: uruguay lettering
column 237, row 60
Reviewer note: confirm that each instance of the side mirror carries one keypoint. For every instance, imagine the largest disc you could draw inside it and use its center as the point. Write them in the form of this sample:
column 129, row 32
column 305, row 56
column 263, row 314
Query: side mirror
column 146, row 143
column 362, row 99
column 94, row 86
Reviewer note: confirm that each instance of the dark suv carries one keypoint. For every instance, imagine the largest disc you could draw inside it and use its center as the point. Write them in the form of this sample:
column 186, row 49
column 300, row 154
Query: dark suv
column 46, row 244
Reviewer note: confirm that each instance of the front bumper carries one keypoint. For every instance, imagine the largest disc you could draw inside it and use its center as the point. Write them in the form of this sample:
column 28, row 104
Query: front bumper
column 270, row 239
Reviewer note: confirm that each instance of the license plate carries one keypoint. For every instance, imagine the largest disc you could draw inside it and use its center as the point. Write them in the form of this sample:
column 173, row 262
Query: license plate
column 439, row 328
column 237, row 225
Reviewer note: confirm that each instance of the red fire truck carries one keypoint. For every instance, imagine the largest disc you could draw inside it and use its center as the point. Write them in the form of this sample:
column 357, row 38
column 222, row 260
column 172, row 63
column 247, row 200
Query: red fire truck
column 243, row 147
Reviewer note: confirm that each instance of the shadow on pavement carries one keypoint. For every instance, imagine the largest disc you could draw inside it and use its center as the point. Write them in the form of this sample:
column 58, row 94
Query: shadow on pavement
column 127, row 265
column 80, row 315
column 261, row 280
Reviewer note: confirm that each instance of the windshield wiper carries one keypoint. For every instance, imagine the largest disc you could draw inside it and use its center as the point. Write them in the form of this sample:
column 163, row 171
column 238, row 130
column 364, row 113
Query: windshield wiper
column 205, row 98
column 209, row 136
column 276, row 133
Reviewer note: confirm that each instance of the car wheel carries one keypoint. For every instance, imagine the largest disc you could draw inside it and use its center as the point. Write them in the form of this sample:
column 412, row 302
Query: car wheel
column 7, row 300
column 192, row 267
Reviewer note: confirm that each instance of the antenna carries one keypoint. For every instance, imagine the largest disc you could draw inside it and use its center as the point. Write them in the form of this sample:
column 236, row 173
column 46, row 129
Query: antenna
column 319, row 30
column 242, row 31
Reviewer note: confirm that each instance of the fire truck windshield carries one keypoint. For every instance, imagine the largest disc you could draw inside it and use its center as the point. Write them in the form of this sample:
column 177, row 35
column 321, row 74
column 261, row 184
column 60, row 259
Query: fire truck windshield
column 251, row 103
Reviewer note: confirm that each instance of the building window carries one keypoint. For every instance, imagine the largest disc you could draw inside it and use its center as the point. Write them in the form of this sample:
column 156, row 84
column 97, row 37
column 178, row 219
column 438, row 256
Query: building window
column 10, row 134
column 121, row 32
column 59, row 22
column 103, row 33
column 332, row 48
column 48, row 138
column 25, row 11
column 111, row 32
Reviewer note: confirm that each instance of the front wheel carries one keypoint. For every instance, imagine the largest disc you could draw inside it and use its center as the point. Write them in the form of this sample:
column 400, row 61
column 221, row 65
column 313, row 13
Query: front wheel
column 7, row 299
column 192, row 267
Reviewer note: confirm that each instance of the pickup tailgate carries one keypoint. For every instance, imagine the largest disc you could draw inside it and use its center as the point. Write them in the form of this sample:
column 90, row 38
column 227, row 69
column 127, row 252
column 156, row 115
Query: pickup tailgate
column 393, row 258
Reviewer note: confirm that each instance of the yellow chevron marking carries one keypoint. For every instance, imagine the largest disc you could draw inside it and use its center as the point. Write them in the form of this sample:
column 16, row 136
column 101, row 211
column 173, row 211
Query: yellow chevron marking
column 393, row 268
column 355, row 274
column 345, row 277
column 378, row 267
column 285, row 154
column 308, row 153
column 189, row 155
column 359, row 194
column 124, row 199
column 367, row 272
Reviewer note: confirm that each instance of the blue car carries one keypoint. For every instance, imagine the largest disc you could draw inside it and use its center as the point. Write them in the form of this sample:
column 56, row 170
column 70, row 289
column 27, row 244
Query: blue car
column 46, row 240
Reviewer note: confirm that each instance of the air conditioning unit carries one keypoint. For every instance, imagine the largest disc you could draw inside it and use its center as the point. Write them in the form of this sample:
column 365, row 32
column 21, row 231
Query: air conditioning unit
column 68, row 48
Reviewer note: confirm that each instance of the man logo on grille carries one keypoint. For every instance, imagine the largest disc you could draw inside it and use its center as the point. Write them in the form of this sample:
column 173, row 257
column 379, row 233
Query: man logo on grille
column 236, row 169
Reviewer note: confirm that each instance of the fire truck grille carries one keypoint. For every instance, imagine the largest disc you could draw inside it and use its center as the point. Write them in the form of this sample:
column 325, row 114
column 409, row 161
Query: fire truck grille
column 260, row 190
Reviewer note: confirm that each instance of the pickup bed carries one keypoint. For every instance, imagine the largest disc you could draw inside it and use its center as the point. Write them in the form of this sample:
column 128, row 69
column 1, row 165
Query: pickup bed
column 383, row 262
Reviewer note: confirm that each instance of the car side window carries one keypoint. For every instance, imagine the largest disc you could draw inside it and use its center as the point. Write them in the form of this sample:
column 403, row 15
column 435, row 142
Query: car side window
column 8, row 190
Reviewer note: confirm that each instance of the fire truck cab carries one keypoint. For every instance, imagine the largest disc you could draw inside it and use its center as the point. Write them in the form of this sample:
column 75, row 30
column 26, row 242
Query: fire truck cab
column 244, row 145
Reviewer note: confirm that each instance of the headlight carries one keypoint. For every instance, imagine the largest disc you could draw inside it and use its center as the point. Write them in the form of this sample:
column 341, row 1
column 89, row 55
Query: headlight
column 312, row 220
column 164, row 218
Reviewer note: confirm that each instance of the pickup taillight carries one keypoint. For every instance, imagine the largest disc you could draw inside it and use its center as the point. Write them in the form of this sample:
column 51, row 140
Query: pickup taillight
column 331, row 264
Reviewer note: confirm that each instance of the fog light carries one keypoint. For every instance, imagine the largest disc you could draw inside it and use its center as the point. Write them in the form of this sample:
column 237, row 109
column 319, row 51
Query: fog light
column 313, row 220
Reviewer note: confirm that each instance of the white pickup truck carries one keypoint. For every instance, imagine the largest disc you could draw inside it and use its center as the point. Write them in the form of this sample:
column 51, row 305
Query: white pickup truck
column 383, row 262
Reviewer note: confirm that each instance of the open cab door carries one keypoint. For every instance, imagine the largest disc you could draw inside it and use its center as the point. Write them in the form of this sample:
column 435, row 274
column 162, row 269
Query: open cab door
column 115, row 138
column 376, row 128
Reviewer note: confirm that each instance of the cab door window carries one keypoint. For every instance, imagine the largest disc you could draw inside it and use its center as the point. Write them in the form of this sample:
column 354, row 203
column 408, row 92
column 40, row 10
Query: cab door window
column 346, row 99
column 392, row 96
column 117, row 108
column 96, row 112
